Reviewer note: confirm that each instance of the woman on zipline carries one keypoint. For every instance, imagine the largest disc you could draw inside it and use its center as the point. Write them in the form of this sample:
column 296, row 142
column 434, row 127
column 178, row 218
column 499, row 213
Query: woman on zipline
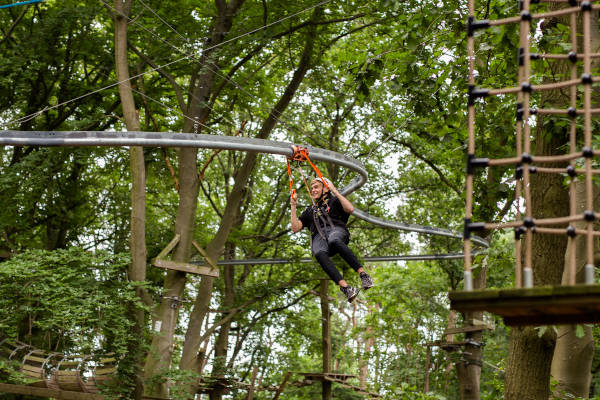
column 326, row 220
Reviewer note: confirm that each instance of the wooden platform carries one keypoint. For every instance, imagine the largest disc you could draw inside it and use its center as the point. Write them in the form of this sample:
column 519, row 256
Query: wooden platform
column 57, row 394
column 320, row 376
column 468, row 328
column 207, row 384
column 542, row 305
column 43, row 392
column 447, row 346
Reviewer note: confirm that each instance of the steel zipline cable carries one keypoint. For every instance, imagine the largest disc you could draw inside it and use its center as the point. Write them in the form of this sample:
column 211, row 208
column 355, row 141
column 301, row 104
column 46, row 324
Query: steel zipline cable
column 154, row 139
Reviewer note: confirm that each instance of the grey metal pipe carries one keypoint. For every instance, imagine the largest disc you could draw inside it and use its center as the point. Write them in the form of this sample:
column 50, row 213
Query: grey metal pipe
column 158, row 139
column 428, row 230
column 405, row 257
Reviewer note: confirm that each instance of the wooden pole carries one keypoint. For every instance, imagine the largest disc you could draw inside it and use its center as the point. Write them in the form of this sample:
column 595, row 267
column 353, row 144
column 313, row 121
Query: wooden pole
column 326, row 336
column 427, row 368
column 251, row 391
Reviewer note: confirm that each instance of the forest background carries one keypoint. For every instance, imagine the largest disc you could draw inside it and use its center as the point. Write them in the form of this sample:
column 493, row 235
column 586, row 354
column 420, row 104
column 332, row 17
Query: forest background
column 382, row 81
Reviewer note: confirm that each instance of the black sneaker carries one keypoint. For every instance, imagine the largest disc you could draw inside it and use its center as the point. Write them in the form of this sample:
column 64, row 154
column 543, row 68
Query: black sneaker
column 350, row 292
column 366, row 281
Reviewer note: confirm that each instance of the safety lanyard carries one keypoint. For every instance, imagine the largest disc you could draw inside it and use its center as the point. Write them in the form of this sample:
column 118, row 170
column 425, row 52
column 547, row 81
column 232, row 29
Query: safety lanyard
column 301, row 154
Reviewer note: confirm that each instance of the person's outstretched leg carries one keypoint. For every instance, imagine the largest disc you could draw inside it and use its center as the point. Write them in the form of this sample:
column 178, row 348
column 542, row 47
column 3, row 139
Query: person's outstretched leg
column 320, row 249
column 338, row 242
column 321, row 252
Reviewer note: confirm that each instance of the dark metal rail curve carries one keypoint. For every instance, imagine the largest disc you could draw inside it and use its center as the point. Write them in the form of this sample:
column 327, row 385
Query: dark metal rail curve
column 405, row 257
column 157, row 139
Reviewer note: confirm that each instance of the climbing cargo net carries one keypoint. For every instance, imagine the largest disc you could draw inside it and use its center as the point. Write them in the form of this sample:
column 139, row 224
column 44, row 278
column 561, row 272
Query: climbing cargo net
column 578, row 158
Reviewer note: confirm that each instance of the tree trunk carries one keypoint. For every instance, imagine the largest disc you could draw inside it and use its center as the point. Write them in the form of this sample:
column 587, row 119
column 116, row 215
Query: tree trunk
column 137, row 269
column 222, row 342
column 162, row 346
column 427, row 368
column 468, row 370
column 572, row 361
column 528, row 366
column 573, row 355
column 159, row 358
column 452, row 318
column 326, row 336
column 189, row 359
column 364, row 362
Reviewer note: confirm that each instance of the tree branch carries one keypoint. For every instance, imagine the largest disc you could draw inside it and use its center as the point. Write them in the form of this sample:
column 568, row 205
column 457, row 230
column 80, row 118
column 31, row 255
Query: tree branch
column 234, row 311
column 169, row 77
column 428, row 162
column 351, row 31
column 232, row 72
column 14, row 24
column 255, row 320
column 210, row 200
column 312, row 23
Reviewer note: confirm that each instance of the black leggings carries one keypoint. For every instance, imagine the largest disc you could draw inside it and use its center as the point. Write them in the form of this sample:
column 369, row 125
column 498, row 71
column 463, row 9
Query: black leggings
column 337, row 243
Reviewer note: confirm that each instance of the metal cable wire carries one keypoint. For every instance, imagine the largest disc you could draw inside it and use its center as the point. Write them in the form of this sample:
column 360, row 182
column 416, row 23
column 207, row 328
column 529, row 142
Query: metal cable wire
column 35, row 114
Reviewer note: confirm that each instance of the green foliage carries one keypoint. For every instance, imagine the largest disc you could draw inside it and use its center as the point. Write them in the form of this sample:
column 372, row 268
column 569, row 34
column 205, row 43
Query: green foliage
column 181, row 381
column 408, row 392
column 56, row 196
column 386, row 85
column 9, row 372
column 35, row 74
column 70, row 301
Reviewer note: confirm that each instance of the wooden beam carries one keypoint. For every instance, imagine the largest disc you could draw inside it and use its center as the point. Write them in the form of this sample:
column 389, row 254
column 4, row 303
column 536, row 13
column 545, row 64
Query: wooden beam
column 43, row 392
column 355, row 388
column 210, row 270
column 169, row 247
column 200, row 250
column 542, row 305
column 319, row 376
column 447, row 346
column 468, row 328
column 185, row 267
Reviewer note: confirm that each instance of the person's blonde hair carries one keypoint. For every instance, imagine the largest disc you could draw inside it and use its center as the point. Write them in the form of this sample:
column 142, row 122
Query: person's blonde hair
column 317, row 179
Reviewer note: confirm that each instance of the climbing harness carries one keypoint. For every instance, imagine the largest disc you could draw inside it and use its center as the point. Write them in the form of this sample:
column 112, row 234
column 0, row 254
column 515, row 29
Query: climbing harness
column 320, row 215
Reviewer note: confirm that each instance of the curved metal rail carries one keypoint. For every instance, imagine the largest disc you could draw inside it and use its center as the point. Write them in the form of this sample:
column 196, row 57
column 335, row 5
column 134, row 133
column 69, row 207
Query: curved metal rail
column 405, row 257
column 156, row 139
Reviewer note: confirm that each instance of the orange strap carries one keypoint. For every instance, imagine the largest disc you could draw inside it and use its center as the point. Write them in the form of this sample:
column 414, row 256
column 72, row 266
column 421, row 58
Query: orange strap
column 301, row 154
column 317, row 171
column 292, row 190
